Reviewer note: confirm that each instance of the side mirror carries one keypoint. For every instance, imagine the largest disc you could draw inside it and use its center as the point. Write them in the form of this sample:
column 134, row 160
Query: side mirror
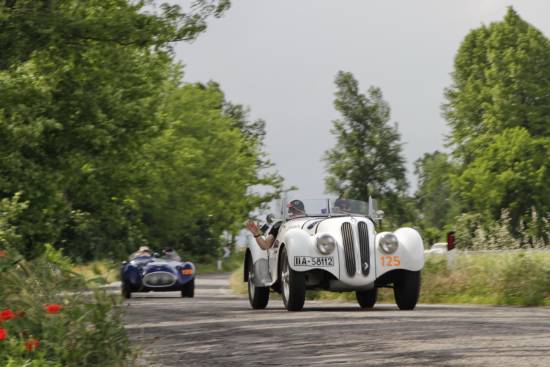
column 379, row 215
column 124, row 263
column 270, row 219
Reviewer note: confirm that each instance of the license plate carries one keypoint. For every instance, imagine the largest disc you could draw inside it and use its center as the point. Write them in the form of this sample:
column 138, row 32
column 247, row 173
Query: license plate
column 313, row 261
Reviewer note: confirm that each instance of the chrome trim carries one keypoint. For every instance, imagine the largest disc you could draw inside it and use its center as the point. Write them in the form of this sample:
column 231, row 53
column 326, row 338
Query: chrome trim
column 159, row 273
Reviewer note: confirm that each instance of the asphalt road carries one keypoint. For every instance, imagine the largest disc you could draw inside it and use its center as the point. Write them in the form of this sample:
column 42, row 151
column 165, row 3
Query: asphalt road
column 217, row 328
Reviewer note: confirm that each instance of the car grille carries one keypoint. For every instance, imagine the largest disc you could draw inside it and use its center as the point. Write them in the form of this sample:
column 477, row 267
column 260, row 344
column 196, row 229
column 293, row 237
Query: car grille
column 159, row 279
column 364, row 247
column 349, row 248
column 349, row 254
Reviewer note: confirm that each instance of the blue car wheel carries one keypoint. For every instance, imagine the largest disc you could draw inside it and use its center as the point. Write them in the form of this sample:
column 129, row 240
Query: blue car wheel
column 188, row 289
column 126, row 291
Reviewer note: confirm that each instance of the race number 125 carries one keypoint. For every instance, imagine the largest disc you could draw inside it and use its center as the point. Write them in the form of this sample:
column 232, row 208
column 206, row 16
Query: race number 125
column 388, row 260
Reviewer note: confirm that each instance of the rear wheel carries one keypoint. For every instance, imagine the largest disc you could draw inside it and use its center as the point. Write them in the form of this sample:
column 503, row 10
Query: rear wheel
column 258, row 296
column 293, row 285
column 125, row 290
column 406, row 289
column 188, row 289
column 367, row 299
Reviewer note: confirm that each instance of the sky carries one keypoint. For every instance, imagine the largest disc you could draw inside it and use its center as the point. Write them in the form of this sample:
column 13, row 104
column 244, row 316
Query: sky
column 280, row 57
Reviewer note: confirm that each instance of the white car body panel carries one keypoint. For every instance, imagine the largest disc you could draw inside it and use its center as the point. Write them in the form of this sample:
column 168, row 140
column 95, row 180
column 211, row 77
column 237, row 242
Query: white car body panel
column 299, row 237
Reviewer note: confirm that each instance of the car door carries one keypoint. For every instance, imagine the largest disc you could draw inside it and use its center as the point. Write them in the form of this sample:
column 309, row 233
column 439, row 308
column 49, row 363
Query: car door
column 273, row 254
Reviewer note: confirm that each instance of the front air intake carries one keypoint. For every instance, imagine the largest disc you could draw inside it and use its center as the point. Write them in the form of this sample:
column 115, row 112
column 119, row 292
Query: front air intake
column 349, row 253
column 364, row 247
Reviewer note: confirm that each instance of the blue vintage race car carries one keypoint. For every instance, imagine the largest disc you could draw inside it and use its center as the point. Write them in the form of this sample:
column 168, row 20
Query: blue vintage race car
column 149, row 273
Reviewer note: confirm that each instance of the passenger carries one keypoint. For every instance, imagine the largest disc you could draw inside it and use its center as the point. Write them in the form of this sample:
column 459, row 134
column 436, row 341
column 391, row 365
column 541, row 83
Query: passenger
column 295, row 208
column 170, row 254
column 342, row 206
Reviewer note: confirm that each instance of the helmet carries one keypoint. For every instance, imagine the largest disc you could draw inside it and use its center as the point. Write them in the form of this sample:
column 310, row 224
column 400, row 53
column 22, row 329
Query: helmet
column 296, row 207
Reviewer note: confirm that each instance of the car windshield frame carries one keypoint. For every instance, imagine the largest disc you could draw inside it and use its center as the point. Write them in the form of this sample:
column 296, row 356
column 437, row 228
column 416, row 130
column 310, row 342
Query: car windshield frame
column 324, row 208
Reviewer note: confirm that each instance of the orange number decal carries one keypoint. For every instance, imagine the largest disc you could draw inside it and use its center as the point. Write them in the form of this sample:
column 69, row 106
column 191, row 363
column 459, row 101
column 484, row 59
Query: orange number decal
column 388, row 260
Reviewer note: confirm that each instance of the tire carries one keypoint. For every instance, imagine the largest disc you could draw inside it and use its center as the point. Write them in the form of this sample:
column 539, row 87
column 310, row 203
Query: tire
column 367, row 299
column 188, row 289
column 125, row 291
column 258, row 296
column 293, row 285
column 406, row 289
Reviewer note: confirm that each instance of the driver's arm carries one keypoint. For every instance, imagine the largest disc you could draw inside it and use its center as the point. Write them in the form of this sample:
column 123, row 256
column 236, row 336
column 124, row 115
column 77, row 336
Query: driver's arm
column 264, row 243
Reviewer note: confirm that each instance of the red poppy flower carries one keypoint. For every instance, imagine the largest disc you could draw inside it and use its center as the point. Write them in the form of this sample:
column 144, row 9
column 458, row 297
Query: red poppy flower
column 3, row 253
column 7, row 314
column 32, row 344
column 3, row 333
column 53, row 308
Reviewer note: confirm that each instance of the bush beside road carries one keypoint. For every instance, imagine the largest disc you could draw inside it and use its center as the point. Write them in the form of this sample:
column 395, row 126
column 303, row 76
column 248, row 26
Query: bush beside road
column 52, row 316
column 500, row 278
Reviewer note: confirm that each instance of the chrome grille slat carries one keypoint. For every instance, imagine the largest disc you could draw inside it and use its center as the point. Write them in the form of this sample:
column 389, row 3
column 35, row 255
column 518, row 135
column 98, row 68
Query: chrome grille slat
column 364, row 247
column 349, row 253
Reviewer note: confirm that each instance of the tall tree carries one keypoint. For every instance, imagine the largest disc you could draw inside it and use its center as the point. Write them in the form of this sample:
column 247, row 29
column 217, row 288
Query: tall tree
column 501, row 80
column 498, row 108
column 367, row 159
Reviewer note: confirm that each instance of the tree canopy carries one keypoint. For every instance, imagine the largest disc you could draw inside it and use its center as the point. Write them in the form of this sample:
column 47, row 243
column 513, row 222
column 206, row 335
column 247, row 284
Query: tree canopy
column 103, row 141
column 498, row 108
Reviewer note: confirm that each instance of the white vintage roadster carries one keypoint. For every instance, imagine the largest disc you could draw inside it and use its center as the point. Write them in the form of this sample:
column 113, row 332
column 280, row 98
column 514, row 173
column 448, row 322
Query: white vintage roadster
column 333, row 245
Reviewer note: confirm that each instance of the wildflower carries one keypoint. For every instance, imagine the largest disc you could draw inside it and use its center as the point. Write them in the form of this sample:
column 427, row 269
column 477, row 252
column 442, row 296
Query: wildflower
column 3, row 333
column 7, row 314
column 3, row 253
column 32, row 344
column 53, row 308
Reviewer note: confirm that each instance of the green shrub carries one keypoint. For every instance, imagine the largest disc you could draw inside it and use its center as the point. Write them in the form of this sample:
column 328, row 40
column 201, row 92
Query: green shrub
column 52, row 318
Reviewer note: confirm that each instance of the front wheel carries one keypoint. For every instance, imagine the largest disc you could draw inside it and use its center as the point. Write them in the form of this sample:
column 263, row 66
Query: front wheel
column 406, row 289
column 125, row 290
column 188, row 289
column 293, row 285
column 367, row 299
column 258, row 296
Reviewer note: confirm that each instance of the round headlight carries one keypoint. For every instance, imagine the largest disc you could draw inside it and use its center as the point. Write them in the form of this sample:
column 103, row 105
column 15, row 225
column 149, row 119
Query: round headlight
column 326, row 244
column 388, row 243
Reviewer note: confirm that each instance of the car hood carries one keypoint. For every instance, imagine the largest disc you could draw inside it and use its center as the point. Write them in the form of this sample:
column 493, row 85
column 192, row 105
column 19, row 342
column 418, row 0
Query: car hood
column 314, row 225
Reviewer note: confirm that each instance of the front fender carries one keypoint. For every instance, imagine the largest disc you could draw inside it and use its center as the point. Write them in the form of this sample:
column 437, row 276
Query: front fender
column 258, row 257
column 131, row 275
column 409, row 255
column 300, row 243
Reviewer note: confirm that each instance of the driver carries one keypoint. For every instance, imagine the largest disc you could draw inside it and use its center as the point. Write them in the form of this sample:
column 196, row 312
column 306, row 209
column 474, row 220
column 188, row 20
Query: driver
column 170, row 254
column 295, row 208
column 143, row 251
